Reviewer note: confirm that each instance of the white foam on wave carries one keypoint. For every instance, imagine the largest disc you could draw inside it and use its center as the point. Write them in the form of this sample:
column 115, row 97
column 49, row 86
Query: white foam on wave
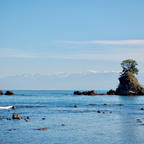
column 7, row 107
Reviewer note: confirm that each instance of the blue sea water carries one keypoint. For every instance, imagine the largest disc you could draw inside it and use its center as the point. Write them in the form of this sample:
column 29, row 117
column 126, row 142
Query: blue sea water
column 67, row 124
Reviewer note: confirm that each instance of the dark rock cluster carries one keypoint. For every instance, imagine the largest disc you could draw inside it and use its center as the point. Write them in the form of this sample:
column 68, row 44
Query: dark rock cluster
column 111, row 92
column 92, row 92
column 6, row 93
column 9, row 93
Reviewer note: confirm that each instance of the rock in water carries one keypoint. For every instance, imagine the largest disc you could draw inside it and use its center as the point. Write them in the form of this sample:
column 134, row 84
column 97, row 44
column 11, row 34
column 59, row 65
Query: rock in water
column 13, row 107
column 9, row 93
column 1, row 93
column 16, row 116
column 77, row 93
column 92, row 92
column 111, row 92
column 42, row 129
column 129, row 85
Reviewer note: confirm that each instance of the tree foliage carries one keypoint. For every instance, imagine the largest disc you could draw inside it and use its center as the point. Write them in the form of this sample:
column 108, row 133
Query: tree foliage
column 129, row 65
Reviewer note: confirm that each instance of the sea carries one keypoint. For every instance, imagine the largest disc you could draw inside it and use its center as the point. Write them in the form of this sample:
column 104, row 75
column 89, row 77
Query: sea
column 59, row 117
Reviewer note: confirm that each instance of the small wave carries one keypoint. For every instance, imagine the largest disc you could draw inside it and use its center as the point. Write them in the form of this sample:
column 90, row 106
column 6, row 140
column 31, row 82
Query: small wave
column 7, row 107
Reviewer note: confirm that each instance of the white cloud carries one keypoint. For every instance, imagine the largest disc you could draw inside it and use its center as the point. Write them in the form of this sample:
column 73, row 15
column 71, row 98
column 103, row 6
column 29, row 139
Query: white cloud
column 111, row 55
column 14, row 53
column 116, row 54
column 108, row 42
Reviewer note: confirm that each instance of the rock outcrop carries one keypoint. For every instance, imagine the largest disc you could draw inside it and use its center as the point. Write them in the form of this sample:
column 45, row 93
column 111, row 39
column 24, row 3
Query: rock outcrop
column 129, row 85
column 92, row 92
column 9, row 93
column 1, row 92
column 111, row 92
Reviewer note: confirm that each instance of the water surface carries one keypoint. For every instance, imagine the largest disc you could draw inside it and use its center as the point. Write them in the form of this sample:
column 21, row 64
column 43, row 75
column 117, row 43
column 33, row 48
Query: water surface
column 114, row 124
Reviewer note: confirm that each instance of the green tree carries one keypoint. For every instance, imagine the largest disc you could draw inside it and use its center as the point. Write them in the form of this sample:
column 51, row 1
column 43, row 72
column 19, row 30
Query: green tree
column 129, row 65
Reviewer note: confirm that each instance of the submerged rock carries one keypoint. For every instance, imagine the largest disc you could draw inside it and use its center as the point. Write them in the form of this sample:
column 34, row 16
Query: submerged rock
column 9, row 93
column 42, row 129
column 62, row 124
column 98, row 111
column 139, row 121
column 75, row 106
column 27, row 120
column 129, row 85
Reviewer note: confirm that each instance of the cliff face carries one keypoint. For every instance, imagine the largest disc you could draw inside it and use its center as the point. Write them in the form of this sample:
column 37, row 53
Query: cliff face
column 129, row 85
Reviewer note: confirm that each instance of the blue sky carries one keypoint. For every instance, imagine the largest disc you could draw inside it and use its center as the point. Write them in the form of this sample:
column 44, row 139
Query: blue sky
column 76, row 36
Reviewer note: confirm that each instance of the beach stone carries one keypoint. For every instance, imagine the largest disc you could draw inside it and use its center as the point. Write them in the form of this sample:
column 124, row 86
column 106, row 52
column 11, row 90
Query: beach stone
column 9, row 93
column 1, row 92
column 16, row 116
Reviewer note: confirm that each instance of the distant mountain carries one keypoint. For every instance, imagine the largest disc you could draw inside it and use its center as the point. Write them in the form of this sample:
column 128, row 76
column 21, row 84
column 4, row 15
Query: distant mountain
column 63, row 81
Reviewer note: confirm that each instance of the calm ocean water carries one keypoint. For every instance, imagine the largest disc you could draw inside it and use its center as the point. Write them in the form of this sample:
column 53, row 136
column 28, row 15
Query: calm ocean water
column 115, row 124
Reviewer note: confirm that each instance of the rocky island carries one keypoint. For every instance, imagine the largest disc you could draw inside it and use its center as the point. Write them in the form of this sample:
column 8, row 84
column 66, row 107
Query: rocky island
column 128, row 83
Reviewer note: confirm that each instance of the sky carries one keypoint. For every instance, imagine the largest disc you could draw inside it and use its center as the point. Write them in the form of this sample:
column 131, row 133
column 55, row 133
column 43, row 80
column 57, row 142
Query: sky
column 61, row 37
